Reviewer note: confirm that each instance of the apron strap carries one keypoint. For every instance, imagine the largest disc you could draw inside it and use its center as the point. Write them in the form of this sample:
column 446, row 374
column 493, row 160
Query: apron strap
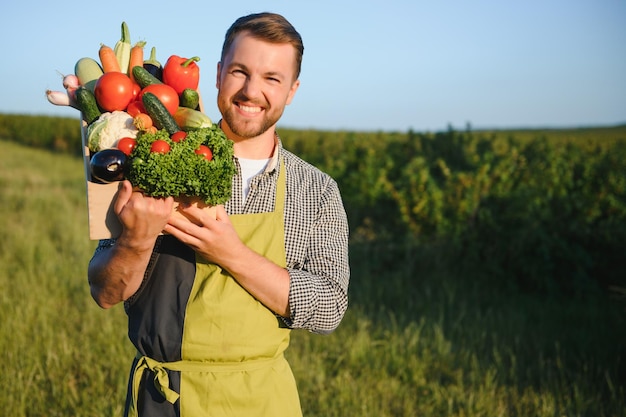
column 281, row 188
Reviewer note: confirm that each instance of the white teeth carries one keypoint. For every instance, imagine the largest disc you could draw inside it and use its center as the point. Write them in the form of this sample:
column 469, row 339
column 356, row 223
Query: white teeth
column 250, row 109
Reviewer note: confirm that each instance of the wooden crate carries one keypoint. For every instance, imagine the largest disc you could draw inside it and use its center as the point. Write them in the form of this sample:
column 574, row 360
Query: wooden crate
column 103, row 223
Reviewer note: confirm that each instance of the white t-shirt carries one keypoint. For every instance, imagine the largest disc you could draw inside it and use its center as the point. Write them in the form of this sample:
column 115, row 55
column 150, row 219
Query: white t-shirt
column 250, row 168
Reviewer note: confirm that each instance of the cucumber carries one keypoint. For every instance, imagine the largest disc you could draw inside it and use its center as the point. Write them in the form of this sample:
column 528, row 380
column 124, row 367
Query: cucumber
column 190, row 98
column 87, row 104
column 160, row 116
column 143, row 77
column 88, row 70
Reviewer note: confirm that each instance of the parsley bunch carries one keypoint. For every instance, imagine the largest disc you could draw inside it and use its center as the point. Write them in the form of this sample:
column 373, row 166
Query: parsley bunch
column 181, row 172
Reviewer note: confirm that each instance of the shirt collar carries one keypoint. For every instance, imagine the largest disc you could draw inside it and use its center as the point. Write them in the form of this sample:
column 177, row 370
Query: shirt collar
column 273, row 163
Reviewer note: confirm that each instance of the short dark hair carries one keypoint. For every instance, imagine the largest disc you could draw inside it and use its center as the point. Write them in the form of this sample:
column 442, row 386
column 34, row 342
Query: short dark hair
column 269, row 27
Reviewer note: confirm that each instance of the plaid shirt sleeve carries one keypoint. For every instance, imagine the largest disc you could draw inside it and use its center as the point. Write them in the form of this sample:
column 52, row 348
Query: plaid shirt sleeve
column 316, row 244
column 316, row 239
column 318, row 293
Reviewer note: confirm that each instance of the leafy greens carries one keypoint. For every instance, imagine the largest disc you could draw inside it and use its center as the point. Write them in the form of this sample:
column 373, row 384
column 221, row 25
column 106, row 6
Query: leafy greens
column 181, row 172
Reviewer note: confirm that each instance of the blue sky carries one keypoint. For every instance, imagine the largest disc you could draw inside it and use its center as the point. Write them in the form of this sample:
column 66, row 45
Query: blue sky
column 368, row 65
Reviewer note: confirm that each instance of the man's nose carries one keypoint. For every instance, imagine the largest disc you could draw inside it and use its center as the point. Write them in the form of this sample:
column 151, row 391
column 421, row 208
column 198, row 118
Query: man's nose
column 252, row 87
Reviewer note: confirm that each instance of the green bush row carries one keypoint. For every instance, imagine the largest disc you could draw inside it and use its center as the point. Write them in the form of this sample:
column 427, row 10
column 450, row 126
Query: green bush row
column 543, row 210
column 58, row 134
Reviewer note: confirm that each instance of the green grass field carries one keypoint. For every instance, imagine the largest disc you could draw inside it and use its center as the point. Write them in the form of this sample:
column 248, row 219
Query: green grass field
column 417, row 339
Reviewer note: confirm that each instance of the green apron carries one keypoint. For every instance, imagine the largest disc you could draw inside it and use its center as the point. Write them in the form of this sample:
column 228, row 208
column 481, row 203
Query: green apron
column 232, row 361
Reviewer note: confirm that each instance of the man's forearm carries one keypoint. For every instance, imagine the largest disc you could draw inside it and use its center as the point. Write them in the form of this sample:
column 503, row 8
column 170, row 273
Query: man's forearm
column 117, row 272
column 266, row 281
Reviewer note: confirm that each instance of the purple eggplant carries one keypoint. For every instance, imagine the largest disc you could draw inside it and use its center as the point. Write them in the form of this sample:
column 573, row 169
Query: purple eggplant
column 108, row 165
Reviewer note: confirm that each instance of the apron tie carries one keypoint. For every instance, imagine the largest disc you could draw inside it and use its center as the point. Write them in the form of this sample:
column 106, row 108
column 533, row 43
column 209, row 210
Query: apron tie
column 161, row 381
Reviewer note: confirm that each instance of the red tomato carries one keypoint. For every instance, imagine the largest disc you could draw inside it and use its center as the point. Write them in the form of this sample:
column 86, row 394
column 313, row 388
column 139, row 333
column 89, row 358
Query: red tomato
column 205, row 151
column 179, row 136
column 136, row 91
column 113, row 91
column 166, row 95
column 135, row 107
column 126, row 145
column 160, row 146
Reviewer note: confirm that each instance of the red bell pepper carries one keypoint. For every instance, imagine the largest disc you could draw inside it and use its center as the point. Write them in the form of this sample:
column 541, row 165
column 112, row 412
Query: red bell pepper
column 180, row 73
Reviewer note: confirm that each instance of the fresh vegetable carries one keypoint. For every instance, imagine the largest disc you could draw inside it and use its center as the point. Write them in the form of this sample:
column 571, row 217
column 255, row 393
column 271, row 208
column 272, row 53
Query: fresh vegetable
column 114, row 91
column 105, row 131
column 86, row 101
column 190, row 98
column 88, row 70
column 108, row 165
column 143, row 121
column 165, row 94
column 136, row 91
column 188, row 119
column 136, row 59
column 60, row 98
column 71, row 83
column 204, row 151
column 178, row 136
column 153, row 66
column 160, row 115
column 108, row 60
column 126, row 145
column 160, row 146
column 135, row 107
column 143, row 77
column 181, row 172
column 122, row 49
column 181, row 73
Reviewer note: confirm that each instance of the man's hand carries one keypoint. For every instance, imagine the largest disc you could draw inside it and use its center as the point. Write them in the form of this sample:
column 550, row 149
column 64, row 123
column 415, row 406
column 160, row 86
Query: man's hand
column 216, row 240
column 143, row 218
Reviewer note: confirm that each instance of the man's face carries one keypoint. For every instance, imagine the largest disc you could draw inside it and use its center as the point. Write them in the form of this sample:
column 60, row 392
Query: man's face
column 255, row 81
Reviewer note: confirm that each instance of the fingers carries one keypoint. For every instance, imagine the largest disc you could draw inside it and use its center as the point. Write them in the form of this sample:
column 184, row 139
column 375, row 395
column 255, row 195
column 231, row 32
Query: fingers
column 220, row 214
column 181, row 219
column 202, row 216
column 125, row 191
column 183, row 228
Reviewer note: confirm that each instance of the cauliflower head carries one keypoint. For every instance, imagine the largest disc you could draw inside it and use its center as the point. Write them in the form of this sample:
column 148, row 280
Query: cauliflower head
column 108, row 129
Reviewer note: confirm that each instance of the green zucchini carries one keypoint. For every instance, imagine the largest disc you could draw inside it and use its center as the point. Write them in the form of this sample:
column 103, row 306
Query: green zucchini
column 143, row 77
column 87, row 104
column 190, row 98
column 160, row 116
column 88, row 70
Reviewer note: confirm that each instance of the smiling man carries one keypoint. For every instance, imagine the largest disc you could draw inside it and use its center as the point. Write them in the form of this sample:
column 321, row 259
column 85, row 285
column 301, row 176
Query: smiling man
column 211, row 301
column 256, row 80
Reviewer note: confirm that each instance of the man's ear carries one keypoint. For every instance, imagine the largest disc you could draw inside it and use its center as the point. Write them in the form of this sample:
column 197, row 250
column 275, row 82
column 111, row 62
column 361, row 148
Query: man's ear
column 219, row 73
column 292, row 91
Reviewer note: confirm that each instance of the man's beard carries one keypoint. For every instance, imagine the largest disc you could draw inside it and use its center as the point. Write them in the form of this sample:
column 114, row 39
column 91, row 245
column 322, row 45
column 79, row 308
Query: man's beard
column 247, row 129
